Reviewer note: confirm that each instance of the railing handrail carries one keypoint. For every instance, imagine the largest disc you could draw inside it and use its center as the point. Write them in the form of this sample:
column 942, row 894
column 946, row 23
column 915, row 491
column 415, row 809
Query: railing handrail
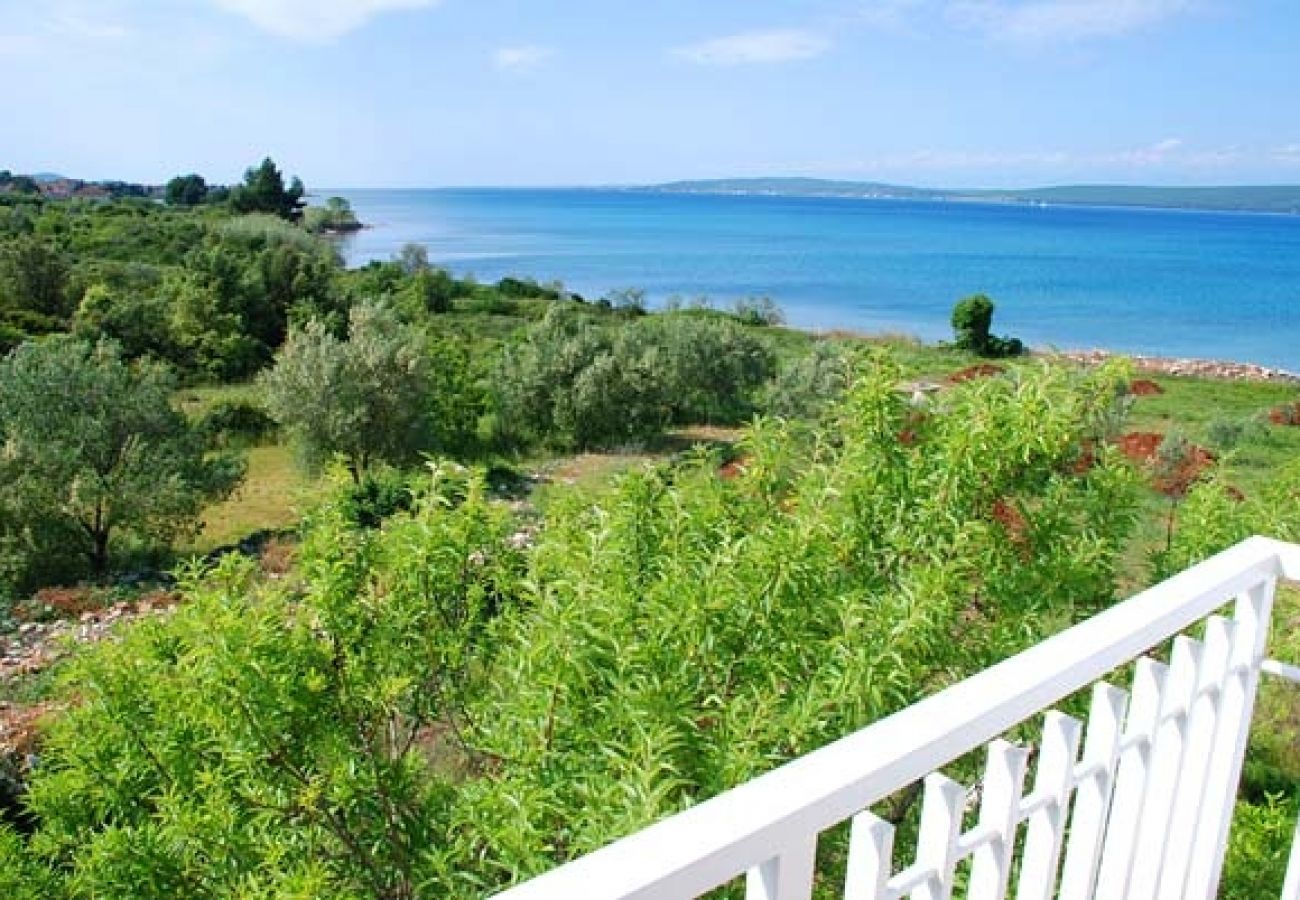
column 709, row 844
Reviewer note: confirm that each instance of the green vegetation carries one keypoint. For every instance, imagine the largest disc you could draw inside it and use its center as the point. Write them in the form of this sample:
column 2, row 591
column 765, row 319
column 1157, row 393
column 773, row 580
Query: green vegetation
column 972, row 320
column 335, row 217
column 445, row 682
column 371, row 398
column 93, row 448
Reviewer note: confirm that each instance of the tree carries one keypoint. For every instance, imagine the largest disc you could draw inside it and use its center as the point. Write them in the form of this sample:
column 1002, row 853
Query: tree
column 263, row 190
column 187, row 190
column 34, row 277
column 95, row 444
column 335, row 216
column 972, row 320
column 367, row 399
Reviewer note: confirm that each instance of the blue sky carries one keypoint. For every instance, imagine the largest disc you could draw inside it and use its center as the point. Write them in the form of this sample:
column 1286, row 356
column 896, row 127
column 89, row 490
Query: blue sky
column 352, row 93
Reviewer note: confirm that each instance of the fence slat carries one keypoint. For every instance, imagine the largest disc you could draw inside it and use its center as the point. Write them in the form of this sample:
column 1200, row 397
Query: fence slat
column 1004, row 781
column 1093, row 796
column 1252, row 614
column 871, row 858
column 1189, row 792
column 936, row 842
column 785, row 877
column 1130, row 782
column 1166, row 759
column 1053, row 782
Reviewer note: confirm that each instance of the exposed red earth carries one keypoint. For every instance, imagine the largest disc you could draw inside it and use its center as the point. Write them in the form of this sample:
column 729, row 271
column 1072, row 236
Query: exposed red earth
column 1145, row 387
column 979, row 370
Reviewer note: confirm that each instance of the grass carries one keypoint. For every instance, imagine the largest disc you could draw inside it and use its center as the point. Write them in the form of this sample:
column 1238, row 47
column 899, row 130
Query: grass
column 270, row 497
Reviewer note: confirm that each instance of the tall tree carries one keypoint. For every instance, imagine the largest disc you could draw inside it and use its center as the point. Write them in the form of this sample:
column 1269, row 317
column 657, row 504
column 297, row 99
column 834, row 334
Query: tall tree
column 34, row 277
column 187, row 190
column 263, row 190
column 96, row 444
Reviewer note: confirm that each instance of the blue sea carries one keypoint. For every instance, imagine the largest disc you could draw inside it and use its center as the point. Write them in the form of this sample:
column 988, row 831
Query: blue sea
column 1172, row 283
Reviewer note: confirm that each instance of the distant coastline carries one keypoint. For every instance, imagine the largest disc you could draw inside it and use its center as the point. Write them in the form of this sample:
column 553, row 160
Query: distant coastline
column 1275, row 199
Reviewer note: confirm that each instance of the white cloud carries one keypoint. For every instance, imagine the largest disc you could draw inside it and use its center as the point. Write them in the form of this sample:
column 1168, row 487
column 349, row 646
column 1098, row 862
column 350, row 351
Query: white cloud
column 1051, row 21
column 1288, row 153
column 521, row 58
column 750, row 47
column 315, row 20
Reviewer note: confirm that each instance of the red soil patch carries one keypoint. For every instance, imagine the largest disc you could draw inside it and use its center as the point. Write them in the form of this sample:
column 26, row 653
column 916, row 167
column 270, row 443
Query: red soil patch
column 734, row 469
column 1086, row 459
column 1140, row 446
column 1288, row 414
column 20, row 727
column 979, row 370
column 1145, row 387
column 1177, row 476
column 1013, row 522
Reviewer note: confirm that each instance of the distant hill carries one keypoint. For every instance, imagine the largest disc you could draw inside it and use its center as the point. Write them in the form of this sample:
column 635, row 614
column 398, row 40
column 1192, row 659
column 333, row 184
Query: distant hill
column 1245, row 198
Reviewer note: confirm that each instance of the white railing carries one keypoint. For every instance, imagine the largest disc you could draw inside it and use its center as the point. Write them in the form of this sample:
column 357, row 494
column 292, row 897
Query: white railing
column 1148, row 803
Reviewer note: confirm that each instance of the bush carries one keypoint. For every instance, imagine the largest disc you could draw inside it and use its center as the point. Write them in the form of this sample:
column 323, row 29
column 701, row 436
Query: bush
column 759, row 311
column 972, row 319
column 809, row 384
column 231, row 421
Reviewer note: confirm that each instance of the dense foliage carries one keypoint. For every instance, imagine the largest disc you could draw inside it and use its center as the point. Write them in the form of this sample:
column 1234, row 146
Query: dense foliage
column 429, row 711
column 972, row 321
column 92, row 448
column 371, row 398
column 576, row 382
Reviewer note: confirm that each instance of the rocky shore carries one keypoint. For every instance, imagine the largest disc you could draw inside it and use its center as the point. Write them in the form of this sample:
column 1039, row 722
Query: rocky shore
column 1199, row 368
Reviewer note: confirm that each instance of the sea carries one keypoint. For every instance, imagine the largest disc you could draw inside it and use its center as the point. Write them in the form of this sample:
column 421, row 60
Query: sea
column 1143, row 281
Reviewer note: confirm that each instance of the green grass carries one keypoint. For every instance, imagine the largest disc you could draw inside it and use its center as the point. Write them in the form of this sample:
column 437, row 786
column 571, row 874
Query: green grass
column 270, row 497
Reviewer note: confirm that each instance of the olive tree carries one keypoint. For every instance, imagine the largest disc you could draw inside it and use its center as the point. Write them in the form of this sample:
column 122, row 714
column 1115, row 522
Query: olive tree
column 368, row 398
column 93, row 446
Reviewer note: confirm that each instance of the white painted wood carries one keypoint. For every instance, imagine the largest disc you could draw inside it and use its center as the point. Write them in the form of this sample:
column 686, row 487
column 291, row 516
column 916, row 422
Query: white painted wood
column 871, row 858
column 718, row 840
column 1189, row 790
column 788, row 876
column 1093, row 795
column 1058, row 752
column 1251, row 616
column 1282, row 670
column 1166, row 759
column 936, row 841
column 1131, row 778
column 1291, row 887
column 1004, row 780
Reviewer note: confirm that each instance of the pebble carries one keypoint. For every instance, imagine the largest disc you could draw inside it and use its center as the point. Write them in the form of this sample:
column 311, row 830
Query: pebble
column 1201, row 368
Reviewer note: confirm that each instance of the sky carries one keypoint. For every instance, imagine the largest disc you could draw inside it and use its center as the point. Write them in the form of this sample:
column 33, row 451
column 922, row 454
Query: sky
column 416, row 93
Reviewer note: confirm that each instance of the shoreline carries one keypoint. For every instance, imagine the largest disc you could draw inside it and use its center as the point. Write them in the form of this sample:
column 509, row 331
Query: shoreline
column 1192, row 367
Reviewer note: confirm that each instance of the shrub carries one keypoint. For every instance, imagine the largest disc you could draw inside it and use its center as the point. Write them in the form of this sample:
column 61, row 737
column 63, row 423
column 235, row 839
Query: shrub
column 972, row 319
column 759, row 311
column 237, row 420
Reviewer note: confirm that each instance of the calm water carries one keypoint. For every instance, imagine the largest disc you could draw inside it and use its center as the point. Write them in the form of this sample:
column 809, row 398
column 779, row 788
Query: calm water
column 1143, row 281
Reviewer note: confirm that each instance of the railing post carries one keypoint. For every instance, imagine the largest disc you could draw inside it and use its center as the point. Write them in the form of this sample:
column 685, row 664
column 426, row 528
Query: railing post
column 1254, row 610
column 1093, row 796
column 1202, row 724
column 1052, row 785
column 788, row 876
column 1004, row 780
column 871, row 858
column 1130, row 782
column 936, row 842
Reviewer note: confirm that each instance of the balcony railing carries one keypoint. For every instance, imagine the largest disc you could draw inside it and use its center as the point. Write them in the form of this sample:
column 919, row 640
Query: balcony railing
column 1136, row 803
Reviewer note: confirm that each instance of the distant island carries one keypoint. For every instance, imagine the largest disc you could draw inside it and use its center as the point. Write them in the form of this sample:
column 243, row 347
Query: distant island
column 1243, row 198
